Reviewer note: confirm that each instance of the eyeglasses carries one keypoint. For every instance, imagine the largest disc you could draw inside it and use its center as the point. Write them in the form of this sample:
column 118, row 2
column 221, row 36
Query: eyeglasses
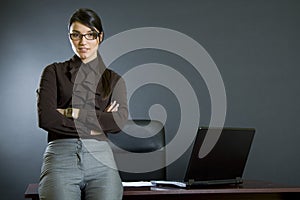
column 88, row 36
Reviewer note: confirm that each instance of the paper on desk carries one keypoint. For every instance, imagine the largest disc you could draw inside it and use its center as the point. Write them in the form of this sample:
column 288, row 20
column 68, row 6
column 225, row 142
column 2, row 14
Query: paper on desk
column 169, row 183
column 138, row 184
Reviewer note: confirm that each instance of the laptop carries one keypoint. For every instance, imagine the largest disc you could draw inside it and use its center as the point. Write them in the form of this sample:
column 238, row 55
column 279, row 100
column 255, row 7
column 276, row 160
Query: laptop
column 225, row 162
column 218, row 157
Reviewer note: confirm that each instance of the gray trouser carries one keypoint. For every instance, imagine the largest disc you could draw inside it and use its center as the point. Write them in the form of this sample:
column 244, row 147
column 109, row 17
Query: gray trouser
column 79, row 168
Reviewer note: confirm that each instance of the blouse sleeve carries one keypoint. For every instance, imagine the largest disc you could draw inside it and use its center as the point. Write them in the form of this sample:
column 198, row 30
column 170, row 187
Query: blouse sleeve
column 108, row 122
column 49, row 118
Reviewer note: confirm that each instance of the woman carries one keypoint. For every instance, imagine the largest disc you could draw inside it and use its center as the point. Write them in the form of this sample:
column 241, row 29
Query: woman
column 79, row 102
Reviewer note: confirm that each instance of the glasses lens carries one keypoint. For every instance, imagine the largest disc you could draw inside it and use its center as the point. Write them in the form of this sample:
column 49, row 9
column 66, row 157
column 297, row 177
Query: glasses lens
column 88, row 36
column 91, row 36
column 75, row 36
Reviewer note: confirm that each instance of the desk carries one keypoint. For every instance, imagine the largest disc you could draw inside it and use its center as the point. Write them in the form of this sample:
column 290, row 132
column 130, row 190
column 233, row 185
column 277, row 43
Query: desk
column 248, row 190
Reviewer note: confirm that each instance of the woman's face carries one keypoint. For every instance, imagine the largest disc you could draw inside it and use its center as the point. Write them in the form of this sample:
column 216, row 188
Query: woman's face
column 85, row 49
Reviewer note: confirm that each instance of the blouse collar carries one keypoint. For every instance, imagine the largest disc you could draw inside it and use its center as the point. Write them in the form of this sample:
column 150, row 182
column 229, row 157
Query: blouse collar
column 97, row 66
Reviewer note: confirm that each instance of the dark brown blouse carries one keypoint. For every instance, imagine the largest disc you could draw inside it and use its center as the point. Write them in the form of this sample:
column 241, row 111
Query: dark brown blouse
column 75, row 84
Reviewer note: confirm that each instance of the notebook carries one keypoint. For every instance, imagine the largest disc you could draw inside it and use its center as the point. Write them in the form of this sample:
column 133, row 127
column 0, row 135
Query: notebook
column 225, row 161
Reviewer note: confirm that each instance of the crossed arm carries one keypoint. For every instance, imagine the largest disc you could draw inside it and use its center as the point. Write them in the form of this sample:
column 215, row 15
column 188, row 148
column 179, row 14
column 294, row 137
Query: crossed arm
column 61, row 120
column 74, row 113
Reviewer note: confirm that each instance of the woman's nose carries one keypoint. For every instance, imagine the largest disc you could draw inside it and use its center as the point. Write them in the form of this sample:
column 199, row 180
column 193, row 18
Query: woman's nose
column 82, row 40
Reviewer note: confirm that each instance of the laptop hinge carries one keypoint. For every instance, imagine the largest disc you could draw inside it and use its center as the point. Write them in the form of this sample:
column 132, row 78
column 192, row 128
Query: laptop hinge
column 239, row 180
column 190, row 182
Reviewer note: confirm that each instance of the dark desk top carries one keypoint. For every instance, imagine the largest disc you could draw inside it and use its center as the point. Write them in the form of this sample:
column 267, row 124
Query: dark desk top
column 248, row 187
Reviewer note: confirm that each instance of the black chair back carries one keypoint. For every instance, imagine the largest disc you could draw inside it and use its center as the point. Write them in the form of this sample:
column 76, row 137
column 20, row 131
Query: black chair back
column 140, row 136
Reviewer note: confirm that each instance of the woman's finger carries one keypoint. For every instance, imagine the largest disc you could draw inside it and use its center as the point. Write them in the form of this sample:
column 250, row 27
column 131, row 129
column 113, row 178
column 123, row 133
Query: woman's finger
column 111, row 106
column 116, row 108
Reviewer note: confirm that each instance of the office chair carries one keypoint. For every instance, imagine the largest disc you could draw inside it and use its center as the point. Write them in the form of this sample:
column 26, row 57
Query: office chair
column 140, row 136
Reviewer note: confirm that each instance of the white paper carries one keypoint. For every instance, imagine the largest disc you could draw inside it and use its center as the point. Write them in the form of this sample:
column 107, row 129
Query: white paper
column 138, row 184
column 169, row 183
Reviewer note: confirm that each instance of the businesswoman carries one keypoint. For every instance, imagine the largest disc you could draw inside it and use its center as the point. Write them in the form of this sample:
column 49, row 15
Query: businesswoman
column 80, row 101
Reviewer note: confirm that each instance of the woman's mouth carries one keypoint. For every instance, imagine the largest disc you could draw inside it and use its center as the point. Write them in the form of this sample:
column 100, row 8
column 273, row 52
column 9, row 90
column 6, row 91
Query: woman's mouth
column 83, row 49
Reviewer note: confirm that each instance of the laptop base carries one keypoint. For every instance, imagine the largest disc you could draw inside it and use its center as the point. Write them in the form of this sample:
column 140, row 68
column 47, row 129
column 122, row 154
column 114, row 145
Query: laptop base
column 198, row 184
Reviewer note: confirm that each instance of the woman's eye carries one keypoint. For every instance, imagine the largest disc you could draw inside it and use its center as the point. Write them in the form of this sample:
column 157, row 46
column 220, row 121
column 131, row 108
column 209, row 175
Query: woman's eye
column 91, row 35
column 75, row 34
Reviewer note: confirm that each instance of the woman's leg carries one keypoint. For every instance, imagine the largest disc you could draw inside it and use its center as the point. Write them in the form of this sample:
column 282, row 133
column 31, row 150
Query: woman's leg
column 61, row 176
column 102, row 179
column 106, row 186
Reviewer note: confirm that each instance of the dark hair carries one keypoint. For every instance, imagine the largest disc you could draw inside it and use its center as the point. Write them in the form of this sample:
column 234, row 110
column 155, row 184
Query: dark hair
column 90, row 19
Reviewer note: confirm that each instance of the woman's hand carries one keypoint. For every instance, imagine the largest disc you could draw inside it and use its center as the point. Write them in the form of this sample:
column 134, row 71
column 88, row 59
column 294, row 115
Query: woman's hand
column 61, row 111
column 69, row 112
column 113, row 107
column 74, row 113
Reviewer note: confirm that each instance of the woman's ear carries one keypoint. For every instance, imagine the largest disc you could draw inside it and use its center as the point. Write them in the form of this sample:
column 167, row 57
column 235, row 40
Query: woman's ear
column 101, row 37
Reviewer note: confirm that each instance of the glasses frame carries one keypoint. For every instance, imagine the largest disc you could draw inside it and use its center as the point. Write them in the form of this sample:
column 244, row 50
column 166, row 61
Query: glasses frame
column 97, row 34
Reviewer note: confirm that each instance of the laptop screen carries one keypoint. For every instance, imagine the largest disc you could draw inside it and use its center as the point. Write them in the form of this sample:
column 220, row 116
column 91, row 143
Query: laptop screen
column 226, row 160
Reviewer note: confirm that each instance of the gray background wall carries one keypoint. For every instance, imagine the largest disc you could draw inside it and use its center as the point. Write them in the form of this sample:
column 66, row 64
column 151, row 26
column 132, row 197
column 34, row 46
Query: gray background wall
column 255, row 45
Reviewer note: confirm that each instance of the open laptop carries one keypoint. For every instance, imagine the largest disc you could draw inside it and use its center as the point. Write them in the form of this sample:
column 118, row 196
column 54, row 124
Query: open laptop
column 222, row 164
column 225, row 162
